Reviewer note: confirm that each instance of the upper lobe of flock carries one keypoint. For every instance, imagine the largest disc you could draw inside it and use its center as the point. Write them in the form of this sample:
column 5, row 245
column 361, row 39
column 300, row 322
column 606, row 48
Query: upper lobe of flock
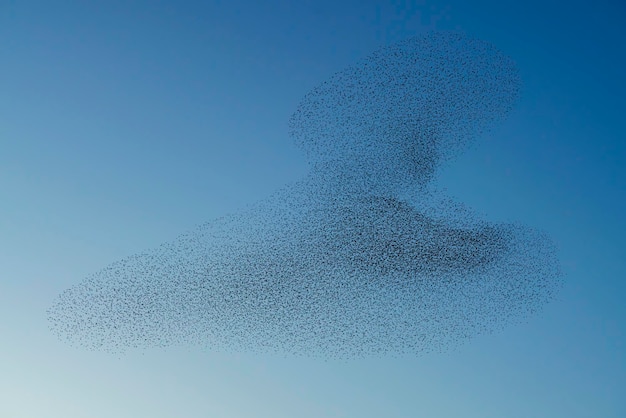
column 362, row 256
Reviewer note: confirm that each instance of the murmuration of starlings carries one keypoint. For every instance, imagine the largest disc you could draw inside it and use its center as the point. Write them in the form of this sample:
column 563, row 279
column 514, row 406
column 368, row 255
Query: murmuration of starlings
column 363, row 256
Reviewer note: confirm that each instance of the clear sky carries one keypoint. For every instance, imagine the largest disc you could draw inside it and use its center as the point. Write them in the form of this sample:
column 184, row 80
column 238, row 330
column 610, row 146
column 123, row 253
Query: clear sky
column 125, row 123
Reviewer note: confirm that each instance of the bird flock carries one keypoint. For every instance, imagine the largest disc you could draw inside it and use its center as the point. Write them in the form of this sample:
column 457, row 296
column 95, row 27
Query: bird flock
column 364, row 255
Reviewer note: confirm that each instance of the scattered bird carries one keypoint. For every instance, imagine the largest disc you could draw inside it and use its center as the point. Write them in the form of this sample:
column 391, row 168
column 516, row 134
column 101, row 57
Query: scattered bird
column 364, row 255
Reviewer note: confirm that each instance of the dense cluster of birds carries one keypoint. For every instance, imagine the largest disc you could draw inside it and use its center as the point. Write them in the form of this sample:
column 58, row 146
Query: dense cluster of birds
column 362, row 256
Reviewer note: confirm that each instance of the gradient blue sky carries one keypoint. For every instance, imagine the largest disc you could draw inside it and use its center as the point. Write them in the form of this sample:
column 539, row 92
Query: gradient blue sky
column 125, row 123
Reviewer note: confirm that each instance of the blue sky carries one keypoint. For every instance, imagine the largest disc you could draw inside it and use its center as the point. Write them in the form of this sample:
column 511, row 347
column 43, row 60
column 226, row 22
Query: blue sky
column 123, row 124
